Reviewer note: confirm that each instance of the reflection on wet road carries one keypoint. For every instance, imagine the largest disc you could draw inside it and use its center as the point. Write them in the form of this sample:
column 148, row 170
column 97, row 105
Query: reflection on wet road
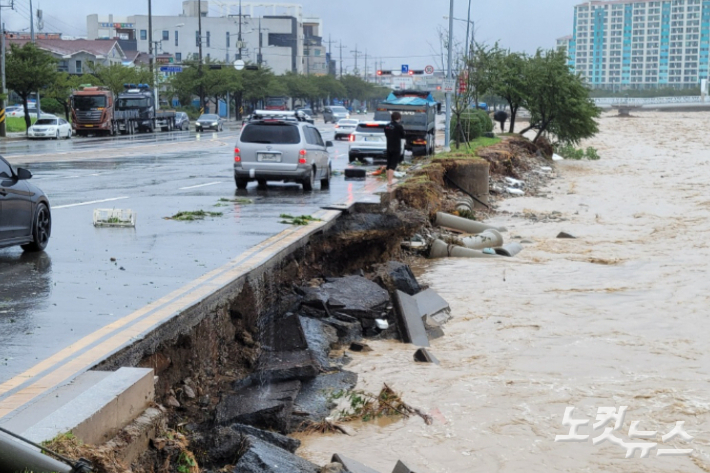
column 47, row 301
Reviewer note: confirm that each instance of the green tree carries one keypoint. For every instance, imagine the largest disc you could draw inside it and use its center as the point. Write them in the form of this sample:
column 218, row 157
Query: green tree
column 28, row 70
column 508, row 69
column 557, row 99
column 114, row 76
column 479, row 72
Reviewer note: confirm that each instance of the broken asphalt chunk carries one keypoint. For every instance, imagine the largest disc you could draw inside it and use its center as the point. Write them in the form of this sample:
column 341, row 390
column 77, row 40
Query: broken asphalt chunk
column 425, row 356
column 565, row 235
column 353, row 466
column 263, row 457
column 430, row 303
column 360, row 346
column 266, row 406
column 410, row 320
column 402, row 278
column 356, row 296
column 282, row 441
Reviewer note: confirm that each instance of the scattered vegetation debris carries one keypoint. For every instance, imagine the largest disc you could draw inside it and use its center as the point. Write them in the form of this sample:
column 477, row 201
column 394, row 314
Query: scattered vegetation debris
column 114, row 218
column 237, row 200
column 570, row 152
column 193, row 215
column 102, row 458
column 323, row 427
column 364, row 406
column 298, row 220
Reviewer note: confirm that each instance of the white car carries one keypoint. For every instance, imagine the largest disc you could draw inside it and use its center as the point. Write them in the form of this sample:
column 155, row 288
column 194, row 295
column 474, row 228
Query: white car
column 20, row 113
column 345, row 127
column 50, row 128
column 368, row 140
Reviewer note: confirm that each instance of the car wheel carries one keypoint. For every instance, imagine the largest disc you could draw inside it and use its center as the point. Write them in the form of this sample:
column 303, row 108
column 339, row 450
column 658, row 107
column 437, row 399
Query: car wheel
column 325, row 183
column 69, row 135
column 261, row 183
column 57, row 137
column 241, row 183
column 41, row 229
column 309, row 181
column 351, row 158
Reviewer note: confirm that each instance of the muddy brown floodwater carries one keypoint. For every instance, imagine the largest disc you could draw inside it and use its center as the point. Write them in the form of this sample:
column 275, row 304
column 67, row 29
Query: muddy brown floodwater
column 617, row 317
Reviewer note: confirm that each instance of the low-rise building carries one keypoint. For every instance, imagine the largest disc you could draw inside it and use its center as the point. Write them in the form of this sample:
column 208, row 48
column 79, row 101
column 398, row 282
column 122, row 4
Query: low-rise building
column 74, row 55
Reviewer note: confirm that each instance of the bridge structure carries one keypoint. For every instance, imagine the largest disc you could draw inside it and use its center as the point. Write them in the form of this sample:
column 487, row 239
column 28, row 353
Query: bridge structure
column 624, row 104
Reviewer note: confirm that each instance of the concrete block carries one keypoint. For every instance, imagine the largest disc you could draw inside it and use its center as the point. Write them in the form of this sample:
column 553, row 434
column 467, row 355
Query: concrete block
column 425, row 356
column 402, row 468
column 430, row 302
column 410, row 320
column 353, row 466
column 97, row 414
column 565, row 235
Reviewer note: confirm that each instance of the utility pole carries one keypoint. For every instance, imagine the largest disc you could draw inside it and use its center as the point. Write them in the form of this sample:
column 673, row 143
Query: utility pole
column 32, row 36
column 341, row 58
column 447, row 133
column 366, row 66
column 356, row 53
column 330, row 55
column 239, row 36
column 259, row 56
column 3, row 124
column 199, row 55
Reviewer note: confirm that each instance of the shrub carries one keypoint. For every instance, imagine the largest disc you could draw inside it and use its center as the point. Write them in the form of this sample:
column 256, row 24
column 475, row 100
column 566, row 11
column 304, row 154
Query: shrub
column 473, row 124
column 50, row 105
column 570, row 152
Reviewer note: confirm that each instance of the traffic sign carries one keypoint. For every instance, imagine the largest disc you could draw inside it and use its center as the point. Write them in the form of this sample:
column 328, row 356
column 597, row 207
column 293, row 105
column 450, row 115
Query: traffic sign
column 405, row 68
column 239, row 64
column 170, row 68
column 449, row 85
column 429, row 70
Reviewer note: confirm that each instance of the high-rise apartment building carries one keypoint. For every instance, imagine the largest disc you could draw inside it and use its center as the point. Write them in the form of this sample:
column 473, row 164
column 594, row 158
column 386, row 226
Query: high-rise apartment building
column 641, row 43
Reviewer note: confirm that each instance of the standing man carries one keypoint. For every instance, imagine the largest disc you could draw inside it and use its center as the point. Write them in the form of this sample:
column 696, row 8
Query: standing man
column 394, row 132
column 501, row 116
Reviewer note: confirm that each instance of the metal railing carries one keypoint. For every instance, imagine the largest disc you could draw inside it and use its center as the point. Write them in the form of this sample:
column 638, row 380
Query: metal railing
column 647, row 100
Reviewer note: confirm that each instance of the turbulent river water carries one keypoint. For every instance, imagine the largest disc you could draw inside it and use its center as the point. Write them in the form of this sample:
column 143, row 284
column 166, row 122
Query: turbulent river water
column 617, row 317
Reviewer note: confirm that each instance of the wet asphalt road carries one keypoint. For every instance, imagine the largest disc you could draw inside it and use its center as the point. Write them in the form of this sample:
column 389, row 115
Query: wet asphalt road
column 51, row 299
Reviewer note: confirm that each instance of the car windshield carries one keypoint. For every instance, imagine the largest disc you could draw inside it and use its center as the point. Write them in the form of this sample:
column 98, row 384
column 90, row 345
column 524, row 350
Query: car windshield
column 206, row 118
column 46, row 121
column 89, row 102
column 338, row 109
column 137, row 102
column 280, row 134
column 347, row 122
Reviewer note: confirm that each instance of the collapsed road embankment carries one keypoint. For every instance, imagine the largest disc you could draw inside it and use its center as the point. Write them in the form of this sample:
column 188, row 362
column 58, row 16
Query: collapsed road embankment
column 256, row 355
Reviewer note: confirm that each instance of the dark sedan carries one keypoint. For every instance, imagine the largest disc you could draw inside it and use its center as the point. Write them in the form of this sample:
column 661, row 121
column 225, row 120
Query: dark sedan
column 25, row 218
column 209, row 122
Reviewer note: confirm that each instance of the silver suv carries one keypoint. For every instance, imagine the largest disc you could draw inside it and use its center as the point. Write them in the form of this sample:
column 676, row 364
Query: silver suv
column 281, row 150
column 335, row 113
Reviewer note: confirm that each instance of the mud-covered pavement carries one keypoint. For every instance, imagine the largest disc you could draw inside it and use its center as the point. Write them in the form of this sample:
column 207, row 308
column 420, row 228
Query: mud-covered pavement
column 616, row 317
column 50, row 300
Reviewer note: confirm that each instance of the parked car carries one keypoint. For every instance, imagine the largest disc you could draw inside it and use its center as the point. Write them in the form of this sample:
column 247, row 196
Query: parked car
column 368, row 140
column 25, row 218
column 345, row 127
column 182, row 121
column 50, row 128
column 20, row 113
column 335, row 113
column 281, row 150
column 307, row 111
column 209, row 122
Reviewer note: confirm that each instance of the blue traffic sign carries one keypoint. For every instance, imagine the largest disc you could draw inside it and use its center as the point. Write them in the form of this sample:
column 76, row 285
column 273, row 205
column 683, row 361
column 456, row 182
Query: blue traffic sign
column 405, row 68
column 170, row 68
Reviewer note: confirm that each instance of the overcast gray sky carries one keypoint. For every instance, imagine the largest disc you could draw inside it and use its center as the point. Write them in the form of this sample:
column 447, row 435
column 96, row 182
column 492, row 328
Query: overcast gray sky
column 398, row 31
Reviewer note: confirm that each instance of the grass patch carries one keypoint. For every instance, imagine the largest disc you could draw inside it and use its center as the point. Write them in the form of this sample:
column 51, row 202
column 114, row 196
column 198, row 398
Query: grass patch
column 298, row 220
column 469, row 150
column 193, row 215
column 17, row 124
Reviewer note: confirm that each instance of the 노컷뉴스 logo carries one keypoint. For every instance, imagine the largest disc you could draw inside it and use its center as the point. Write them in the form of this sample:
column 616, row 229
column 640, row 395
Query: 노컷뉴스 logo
column 605, row 415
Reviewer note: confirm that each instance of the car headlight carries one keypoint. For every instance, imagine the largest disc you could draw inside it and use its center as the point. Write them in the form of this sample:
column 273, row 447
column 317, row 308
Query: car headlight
column 214, row 124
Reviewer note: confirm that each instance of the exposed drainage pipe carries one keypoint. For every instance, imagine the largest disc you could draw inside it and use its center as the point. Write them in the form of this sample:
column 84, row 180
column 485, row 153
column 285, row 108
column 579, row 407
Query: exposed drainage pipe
column 464, row 204
column 439, row 249
column 466, row 192
column 487, row 239
column 24, row 455
column 510, row 249
column 463, row 224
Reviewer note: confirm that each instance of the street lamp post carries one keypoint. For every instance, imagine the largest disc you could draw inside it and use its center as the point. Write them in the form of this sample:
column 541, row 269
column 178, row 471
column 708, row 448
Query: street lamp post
column 472, row 24
column 199, row 55
column 447, row 132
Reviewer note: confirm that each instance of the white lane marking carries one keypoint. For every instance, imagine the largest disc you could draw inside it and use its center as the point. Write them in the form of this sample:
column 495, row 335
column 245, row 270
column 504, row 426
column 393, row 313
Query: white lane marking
column 201, row 185
column 88, row 203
